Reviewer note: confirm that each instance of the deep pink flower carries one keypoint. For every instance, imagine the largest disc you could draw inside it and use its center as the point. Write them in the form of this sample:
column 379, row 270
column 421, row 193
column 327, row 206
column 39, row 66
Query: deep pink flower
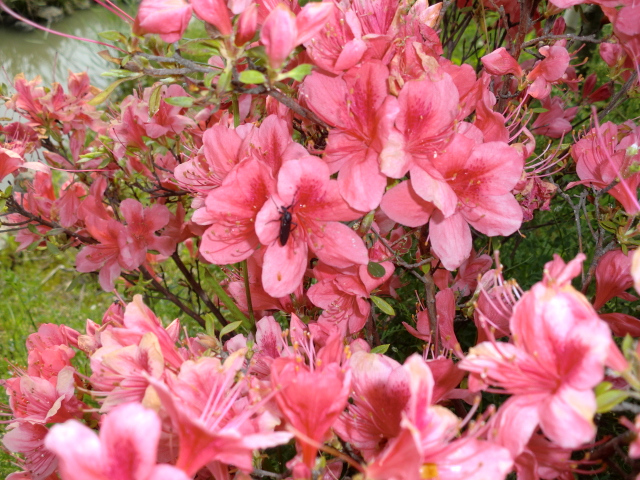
column 557, row 356
column 500, row 62
column 305, row 192
column 107, row 256
column 423, row 127
column 212, row 425
column 601, row 157
column 360, row 108
column 142, row 223
column 312, row 415
column 231, row 210
column 467, row 185
column 344, row 296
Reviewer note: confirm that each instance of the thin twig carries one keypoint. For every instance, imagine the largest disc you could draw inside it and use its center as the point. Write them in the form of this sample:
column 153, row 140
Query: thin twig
column 197, row 288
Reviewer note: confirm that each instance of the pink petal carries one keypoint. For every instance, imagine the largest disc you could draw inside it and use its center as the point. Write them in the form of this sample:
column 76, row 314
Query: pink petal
column 362, row 184
column 567, row 417
column 129, row 436
column 401, row 204
column 497, row 215
column 79, row 451
column 432, row 187
column 284, row 267
column 338, row 245
column 450, row 239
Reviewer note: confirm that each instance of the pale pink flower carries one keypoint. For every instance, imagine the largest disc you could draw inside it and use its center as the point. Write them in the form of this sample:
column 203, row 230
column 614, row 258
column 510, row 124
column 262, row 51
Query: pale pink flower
column 125, row 449
column 169, row 18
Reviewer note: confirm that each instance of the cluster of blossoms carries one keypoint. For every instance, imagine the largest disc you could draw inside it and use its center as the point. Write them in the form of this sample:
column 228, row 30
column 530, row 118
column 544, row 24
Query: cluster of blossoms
column 308, row 155
column 174, row 408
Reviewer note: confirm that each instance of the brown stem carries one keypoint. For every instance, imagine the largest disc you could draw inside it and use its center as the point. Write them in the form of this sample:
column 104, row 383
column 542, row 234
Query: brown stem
column 14, row 207
column 198, row 288
column 171, row 297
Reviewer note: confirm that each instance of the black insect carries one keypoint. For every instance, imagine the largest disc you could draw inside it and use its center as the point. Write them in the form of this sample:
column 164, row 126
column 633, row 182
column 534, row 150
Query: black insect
column 285, row 223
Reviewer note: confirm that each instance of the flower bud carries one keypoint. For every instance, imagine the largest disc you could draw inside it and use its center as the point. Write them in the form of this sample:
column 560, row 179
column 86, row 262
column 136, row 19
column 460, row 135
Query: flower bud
column 279, row 34
column 247, row 25
column 214, row 12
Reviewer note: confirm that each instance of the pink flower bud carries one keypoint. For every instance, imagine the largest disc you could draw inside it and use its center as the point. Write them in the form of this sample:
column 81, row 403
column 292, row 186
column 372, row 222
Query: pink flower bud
column 499, row 62
column 214, row 12
column 558, row 26
column 279, row 34
column 169, row 18
column 247, row 25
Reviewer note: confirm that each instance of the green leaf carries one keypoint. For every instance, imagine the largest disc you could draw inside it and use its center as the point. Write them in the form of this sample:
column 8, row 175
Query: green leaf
column 53, row 250
column 383, row 305
column 297, row 73
column 77, row 281
column 381, row 349
column 54, row 231
column 103, row 95
column 105, row 162
column 603, row 387
column 209, row 324
column 119, row 73
column 376, row 270
column 224, row 81
column 252, row 76
column 154, row 100
column 539, row 110
column 230, row 328
column 208, row 79
column 113, row 36
column 609, row 399
column 627, row 346
column 33, row 229
column 180, row 101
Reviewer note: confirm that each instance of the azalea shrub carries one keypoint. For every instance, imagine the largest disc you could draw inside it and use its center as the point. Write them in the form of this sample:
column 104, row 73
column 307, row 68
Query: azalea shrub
column 323, row 191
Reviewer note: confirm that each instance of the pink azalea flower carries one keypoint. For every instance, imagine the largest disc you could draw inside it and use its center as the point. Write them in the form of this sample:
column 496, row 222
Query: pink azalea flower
column 344, row 296
column 223, row 148
column 231, row 210
column 310, row 415
column 557, row 356
column 107, row 256
column 282, row 30
column 120, row 372
column 613, row 278
column 10, row 161
column 548, row 71
column 423, row 127
column 169, row 18
column 427, row 447
column 467, row 185
column 500, row 62
column 360, row 108
column 37, row 400
column 126, row 448
column 305, row 192
column 380, row 391
column 212, row 425
column 142, row 223
column 28, row 439
column 602, row 158
column 339, row 45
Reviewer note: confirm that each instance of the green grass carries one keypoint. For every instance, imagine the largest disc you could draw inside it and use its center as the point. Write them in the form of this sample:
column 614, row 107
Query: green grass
column 34, row 287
